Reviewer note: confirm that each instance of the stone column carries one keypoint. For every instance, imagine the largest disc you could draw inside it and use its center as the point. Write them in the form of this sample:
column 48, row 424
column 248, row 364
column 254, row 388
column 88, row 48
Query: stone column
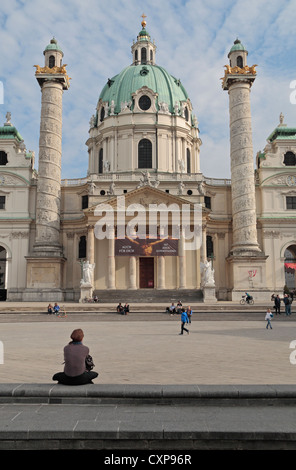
column 204, row 244
column 160, row 272
column 245, row 252
column 161, row 265
column 242, row 169
column 47, row 241
column 182, row 261
column 45, row 264
column 133, row 272
column 91, row 249
column 111, row 259
column 91, row 244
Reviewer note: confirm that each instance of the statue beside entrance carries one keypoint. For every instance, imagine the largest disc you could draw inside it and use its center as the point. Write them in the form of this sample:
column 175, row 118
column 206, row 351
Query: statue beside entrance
column 86, row 283
column 208, row 282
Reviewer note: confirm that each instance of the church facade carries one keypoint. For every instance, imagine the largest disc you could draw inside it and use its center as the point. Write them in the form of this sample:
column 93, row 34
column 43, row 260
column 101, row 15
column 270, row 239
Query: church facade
column 145, row 217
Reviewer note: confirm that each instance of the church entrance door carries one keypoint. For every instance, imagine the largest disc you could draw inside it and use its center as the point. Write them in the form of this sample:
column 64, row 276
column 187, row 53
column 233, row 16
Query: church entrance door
column 146, row 273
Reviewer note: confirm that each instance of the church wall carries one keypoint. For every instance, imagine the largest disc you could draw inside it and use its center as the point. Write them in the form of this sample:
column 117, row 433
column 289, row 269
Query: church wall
column 124, row 150
column 17, row 248
column 71, row 201
column 164, row 152
column 17, row 215
column 277, row 223
column 122, row 272
column 191, row 267
column 101, row 262
column 275, row 274
column 171, row 272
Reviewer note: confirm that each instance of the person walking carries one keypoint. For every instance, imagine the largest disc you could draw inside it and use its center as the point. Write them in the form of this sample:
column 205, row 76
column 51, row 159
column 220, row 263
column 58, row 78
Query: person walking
column 184, row 320
column 268, row 318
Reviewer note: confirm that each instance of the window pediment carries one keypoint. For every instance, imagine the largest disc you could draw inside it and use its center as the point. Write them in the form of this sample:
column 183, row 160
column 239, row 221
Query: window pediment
column 145, row 100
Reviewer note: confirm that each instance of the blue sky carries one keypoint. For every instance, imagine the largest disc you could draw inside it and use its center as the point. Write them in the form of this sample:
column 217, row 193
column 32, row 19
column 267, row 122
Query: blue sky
column 193, row 39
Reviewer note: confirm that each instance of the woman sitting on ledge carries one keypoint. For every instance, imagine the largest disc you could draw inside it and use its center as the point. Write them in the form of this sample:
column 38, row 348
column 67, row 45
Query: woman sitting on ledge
column 75, row 353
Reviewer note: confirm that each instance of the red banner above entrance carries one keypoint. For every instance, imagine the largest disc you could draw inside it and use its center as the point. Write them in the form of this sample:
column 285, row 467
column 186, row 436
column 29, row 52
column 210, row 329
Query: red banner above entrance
column 146, row 247
column 291, row 266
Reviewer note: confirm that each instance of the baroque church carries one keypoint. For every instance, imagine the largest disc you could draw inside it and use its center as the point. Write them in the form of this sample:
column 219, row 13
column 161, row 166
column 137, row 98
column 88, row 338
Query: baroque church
column 66, row 239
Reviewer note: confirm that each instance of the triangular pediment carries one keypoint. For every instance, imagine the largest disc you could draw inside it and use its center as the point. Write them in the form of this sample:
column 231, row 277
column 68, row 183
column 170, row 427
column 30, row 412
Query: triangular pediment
column 146, row 196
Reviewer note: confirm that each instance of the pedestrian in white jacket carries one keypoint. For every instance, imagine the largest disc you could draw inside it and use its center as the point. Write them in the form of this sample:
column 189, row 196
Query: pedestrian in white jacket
column 268, row 318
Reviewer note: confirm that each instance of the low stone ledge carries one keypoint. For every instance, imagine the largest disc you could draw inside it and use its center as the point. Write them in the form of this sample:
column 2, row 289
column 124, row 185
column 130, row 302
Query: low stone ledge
column 57, row 393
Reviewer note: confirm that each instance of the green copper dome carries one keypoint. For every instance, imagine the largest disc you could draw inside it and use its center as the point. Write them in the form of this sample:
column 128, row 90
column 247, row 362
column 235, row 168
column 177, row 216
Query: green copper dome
column 53, row 46
column 121, row 87
column 237, row 46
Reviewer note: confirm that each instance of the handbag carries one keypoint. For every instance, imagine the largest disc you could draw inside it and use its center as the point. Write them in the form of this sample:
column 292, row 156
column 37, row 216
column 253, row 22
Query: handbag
column 89, row 365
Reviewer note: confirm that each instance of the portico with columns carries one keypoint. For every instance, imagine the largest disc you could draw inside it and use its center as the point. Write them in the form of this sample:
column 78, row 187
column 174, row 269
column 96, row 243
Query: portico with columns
column 174, row 270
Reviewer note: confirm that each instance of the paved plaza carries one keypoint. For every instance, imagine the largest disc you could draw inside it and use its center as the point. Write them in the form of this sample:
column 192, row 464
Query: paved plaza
column 151, row 351
column 229, row 384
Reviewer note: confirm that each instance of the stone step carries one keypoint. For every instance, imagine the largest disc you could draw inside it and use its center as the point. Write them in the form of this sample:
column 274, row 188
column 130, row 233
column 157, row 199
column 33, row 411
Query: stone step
column 150, row 295
column 127, row 417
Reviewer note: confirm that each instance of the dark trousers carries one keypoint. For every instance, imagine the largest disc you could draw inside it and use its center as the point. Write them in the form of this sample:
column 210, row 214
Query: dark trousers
column 183, row 328
column 85, row 378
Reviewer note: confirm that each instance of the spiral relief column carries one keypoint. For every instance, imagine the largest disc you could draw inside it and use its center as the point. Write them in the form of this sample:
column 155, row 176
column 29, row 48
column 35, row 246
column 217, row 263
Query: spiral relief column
column 242, row 169
column 245, row 254
column 47, row 239
column 45, row 264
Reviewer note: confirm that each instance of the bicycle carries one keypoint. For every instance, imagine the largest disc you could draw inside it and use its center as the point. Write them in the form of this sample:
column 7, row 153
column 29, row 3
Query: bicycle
column 245, row 301
column 62, row 312
column 90, row 300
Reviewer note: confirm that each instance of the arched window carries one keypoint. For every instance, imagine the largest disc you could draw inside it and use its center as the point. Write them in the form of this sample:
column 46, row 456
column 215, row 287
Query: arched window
column 145, row 154
column 82, row 247
column 102, row 114
column 3, row 158
column 186, row 114
column 239, row 61
column 151, row 56
column 290, row 159
column 143, row 55
column 51, row 61
column 136, row 55
column 188, row 161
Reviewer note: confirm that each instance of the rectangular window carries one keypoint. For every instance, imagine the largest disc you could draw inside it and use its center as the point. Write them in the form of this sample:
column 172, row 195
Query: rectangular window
column 291, row 202
column 82, row 247
column 2, row 202
column 208, row 202
column 84, row 201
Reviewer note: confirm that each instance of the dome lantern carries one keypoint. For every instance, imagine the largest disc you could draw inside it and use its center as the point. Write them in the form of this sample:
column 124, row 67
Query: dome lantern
column 143, row 50
column 53, row 54
column 238, row 55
